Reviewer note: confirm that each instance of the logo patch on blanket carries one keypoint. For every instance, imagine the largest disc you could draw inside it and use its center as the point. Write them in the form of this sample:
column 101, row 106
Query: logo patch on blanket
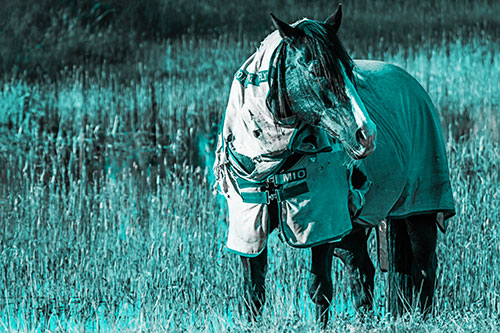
column 291, row 176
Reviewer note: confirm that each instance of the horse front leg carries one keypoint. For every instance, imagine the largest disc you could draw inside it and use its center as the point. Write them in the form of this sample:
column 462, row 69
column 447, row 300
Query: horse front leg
column 254, row 277
column 320, row 281
column 353, row 251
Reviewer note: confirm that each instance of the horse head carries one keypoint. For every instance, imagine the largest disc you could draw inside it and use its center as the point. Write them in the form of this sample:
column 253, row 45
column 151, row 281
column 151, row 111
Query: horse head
column 317, row 75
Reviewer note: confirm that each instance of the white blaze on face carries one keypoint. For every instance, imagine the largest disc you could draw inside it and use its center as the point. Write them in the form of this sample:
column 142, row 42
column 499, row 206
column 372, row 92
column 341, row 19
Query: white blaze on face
column 360, row 114
column 365, row 124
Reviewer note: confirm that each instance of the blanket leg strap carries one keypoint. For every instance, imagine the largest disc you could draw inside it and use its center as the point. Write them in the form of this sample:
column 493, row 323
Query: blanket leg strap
column 382, row 248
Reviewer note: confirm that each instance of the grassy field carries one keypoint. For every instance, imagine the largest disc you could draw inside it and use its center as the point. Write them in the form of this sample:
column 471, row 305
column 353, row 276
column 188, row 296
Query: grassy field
column 109, row 222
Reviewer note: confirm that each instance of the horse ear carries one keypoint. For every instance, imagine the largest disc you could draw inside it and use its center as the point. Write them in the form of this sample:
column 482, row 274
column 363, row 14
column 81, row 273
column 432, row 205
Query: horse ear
column 335, row 19
column 287, row 32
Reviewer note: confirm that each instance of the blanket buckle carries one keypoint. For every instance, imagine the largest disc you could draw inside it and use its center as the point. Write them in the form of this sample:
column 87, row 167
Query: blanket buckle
column 271, row 196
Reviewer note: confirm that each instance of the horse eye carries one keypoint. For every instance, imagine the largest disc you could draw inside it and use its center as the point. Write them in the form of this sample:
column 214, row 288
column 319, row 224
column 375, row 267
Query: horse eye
column 307, row 56
column 314, row 68
column 303, row 60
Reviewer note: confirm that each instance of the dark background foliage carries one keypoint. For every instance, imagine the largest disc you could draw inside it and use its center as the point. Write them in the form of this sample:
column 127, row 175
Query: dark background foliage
column 40, row 38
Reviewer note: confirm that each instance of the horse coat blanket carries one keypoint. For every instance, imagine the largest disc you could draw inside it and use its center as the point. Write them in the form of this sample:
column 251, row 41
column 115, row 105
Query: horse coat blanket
column 408, row 169
column 252, row 151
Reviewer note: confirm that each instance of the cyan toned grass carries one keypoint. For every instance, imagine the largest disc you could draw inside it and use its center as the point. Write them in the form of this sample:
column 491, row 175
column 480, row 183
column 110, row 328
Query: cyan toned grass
column 109, row 222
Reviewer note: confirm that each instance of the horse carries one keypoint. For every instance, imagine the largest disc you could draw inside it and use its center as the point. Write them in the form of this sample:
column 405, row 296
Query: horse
column 281, row 135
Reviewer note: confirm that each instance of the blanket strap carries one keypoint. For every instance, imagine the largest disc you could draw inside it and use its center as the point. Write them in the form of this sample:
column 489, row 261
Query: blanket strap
column 292, row 191
column 265, row 197
column 264, row 191
column 255, row 197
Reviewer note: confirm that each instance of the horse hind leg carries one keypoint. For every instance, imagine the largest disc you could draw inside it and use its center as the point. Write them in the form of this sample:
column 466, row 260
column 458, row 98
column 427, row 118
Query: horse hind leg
column 254, row 277
column 320, row 281
column 422, row 232
column 412, row 243
column 400, row 259
column 353, row 251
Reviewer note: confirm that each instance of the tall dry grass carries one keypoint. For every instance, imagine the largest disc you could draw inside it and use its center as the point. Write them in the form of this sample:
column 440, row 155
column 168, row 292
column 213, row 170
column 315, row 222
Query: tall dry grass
column 108, row 221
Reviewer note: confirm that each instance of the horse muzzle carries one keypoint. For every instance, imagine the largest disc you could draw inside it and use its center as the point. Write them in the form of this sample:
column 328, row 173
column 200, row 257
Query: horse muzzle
column 366, row 138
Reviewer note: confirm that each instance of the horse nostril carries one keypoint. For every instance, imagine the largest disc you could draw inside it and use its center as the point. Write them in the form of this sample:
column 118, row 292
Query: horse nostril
column 361, row 135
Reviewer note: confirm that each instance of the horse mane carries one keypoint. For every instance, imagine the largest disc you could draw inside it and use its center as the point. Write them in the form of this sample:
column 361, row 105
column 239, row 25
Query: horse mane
column 324, row 45
column 319, row 38
column 277, row 100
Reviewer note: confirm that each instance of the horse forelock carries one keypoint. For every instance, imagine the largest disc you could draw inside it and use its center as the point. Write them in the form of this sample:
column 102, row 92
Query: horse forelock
column 325, row 46
column 278, row 100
